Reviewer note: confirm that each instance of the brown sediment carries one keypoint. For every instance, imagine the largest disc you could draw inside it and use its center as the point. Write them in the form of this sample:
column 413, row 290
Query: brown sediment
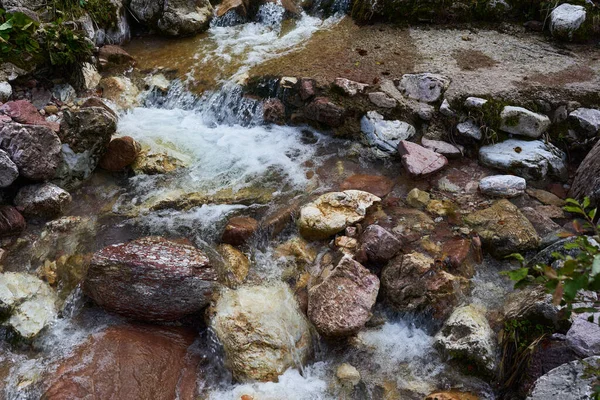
column 470, row 60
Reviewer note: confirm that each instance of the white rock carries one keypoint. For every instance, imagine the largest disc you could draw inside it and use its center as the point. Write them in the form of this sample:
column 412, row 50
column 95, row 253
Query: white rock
column 349, row 87
column 588, row 120
column 158, row 81
column 475, row 102
column 384, row 135
column 521, row 121
column 288, row 82
column 91, row 77
column 566, row 19
column 446, row 110
column 469, row 129
column 8, row 170
column 502, row 185
column 65, row 93
column 533, row 160
column 425, row 87
column 348, row 375
column 382, row 100
column 467, row 334
column 5, row 91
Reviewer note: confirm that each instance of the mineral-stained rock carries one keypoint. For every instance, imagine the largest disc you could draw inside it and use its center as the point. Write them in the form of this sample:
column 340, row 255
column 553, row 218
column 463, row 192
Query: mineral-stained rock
column 520, row 121
column 341, row 304
column 322, row 110
column 467, row 335
column 378, row 185
column 262, row 331
column 155, row 163
column 151, row 279
column 349, row 87
column 235, row 266
column 547, row 229
column 417, row 198
column 238, row 230
column 587, row 177
column 29, row 303
column 113, row 57
column 420, row 161
column 8, row 170
column 11, row 221
column 23, row 112
column 504, row 229
column 333, row 212
column 122, row 362
column 120, row 153
column 378, row 245
column 42, row 200
column 34, row 149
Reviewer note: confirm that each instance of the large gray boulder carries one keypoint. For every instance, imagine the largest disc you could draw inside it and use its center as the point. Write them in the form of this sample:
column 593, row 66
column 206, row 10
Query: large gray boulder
column 534, row 160
column 426, row 87
column 566, row 19
column 570, row 381
column 34, row 149
column 468, row 335
column 588, row 120
column 42, row 200
column 173, row 17
column 151, row 279
column 262, row 331
column 587, row 177
column 384, row 136
column 521, row 121
column 584, row 336
column 28, row 303
column 8, row 170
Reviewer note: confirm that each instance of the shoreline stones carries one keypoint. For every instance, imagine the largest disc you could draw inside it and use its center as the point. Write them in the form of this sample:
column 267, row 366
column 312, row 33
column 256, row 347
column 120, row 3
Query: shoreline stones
column 262, row 331
column 44, row 200
column 426, row 87
column 341, row 304
column 332, row 212
column 503, row 185
column 521, row 121
column 151, row 279
column 383, row 135
column 420, row 161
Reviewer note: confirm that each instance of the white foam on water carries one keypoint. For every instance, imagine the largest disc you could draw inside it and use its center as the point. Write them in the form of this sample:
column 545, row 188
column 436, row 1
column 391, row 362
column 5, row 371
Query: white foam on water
column 291, row 385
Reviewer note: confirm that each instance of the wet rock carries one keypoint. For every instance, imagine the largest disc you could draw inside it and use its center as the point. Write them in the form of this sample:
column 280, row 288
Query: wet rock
column 349, row 87
column 566, row 19
column 503, row 229
column 533, row 160
column 35, row 150
column 444, row 148
column 151, row 279
column 378, row 185
column 333, row 212
column 98, row 102
column 384, row 135
column 420, row 161
column 173, row 18
column 235, row 268
column 23, row 112
column 547, row 229
column 521, row 121
column 532, row 304
column 148, row 163
column 469, row 130
column 274, row 111
column 11, row 221
column 382, row 100
column 460, row 255
column 5, row 91
column 275, row 221
column 262, row 331
column 307, row 89
column 322, row 110
column 411, row 282
column 378, row 245
column 28, row 303
column 588, row 120
column 502, row 185
column 90, row 75
column 587, row 178
column 584, row 337
column 121, row 362
column 121, row 91
column 64, row 92
column 567, row 382
column 239, row 230
column 467, row 335
column 417, row 198
column 340, row 305
column 8, row 170
column 85, row 135
column 545, row 197
column 348, row 375
column 120, row 153
column 44, row 200
column 452, row 395
column 425, row 87
column 113, row 58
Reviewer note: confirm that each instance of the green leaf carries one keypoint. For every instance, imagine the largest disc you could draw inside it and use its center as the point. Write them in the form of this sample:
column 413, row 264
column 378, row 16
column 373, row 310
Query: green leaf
column 573, row 209
column 516, row 256
column 7, row 25
column 595, row 266
column 518, row 274
column 572, row 201
column 586, row 202
column 592, row 213
column 573, row 286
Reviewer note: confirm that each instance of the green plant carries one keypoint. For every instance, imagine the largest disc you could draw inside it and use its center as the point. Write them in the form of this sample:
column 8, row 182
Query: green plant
column 17, row 35
column 102, row 12
column 577, row 273
column 64, row 46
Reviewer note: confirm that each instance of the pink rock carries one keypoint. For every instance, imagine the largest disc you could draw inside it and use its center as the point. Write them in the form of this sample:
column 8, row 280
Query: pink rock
column 420, row 161
column 24, row 112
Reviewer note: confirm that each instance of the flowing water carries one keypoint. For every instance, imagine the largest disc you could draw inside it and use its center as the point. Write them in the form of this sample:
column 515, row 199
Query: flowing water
column 220, row 136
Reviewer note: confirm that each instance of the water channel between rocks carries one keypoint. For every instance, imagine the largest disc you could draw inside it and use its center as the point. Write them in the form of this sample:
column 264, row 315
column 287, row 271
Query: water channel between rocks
column 220, row 137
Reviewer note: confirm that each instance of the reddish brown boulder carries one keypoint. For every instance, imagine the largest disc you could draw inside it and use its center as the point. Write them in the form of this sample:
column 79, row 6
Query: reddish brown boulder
column 420, row 161
column 98, row 102
column 322, row 110
column 151, row 279
column 307, row 88
column 274, row 111
column 239, row 230
column 24, row 112
column 129, row 362
column 11, row 221
column 113, row 57
column 341, row 304
column 461, row 255
column 377, row 245
column 380, row 186
column 120, row 153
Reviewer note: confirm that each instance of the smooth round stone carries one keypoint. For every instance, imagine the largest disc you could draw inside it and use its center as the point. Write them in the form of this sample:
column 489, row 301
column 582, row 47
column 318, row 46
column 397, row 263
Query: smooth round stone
column 502, row 185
